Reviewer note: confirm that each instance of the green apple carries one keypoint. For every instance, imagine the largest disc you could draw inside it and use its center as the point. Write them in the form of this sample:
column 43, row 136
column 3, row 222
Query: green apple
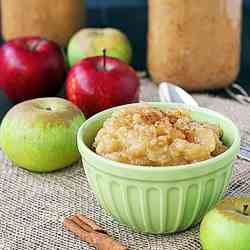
column 227, row 226
column 40, row 134
column 90, row 42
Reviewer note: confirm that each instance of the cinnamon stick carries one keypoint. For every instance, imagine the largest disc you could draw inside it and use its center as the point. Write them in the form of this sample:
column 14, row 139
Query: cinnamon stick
column 77, row 230
column 88, row 231
column 89, row 222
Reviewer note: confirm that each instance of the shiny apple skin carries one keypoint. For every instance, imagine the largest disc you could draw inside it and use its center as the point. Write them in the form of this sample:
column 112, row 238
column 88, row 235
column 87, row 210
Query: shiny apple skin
column 31, row 67
column 94, row 88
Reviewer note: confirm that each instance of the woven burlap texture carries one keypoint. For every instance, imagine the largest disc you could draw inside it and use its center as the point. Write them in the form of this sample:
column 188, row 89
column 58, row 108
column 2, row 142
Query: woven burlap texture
column 32, row 206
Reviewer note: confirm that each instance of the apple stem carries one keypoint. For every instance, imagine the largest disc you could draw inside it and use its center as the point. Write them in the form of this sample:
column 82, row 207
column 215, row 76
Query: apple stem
column 34, row 45
column 104, row 58
column 245, row 207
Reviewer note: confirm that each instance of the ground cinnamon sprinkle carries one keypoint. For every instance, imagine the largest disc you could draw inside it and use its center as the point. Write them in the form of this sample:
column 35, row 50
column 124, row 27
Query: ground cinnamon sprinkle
column 147, row 136
column 87, row 230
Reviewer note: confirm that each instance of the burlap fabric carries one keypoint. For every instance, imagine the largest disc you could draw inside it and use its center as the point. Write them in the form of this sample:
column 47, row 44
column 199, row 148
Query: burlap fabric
column 32, row 206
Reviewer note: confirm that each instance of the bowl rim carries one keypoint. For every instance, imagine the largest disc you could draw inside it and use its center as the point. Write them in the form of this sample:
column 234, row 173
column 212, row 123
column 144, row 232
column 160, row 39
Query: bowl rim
column 232, row 150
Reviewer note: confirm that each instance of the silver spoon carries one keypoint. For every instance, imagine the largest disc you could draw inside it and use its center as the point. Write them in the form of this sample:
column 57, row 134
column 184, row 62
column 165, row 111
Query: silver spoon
column 171, row 93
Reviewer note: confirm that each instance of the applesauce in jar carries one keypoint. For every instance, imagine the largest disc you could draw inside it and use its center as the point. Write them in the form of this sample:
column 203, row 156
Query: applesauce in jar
column 57, row 20
column 194, row 44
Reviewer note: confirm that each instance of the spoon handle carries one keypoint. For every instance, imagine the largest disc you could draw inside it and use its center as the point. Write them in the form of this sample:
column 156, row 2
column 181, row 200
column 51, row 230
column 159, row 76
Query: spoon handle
column 244, row 153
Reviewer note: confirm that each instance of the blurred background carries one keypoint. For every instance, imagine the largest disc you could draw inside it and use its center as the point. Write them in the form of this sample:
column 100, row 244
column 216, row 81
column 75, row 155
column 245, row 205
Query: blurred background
column 130, row 16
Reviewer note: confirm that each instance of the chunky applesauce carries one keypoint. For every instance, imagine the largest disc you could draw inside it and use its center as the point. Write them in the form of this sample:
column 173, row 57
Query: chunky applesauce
column 143, row 135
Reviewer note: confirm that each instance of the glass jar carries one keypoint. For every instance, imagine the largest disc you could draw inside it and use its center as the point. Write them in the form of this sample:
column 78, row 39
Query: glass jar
column 194, row 44
column 53, row 19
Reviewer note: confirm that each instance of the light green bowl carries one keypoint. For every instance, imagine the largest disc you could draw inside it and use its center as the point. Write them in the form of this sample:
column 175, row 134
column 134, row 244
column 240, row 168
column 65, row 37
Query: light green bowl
column 159, row 199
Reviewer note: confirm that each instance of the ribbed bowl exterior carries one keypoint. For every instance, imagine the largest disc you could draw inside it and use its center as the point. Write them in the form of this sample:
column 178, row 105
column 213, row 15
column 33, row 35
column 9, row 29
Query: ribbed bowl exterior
column 161, row 206
column 159, row 199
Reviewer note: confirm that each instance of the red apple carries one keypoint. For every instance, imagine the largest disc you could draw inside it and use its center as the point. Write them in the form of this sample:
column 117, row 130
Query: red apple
column 98, row 83
column 31, row 67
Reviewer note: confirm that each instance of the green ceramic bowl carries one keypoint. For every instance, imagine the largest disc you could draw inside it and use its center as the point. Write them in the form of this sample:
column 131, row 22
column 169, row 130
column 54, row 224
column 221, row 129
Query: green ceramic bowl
column 159, row 199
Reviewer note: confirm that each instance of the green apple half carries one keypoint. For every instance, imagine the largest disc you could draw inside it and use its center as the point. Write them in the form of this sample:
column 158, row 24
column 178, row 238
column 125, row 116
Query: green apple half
column 227, row 226
column 90, row 42
column 40, row 134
